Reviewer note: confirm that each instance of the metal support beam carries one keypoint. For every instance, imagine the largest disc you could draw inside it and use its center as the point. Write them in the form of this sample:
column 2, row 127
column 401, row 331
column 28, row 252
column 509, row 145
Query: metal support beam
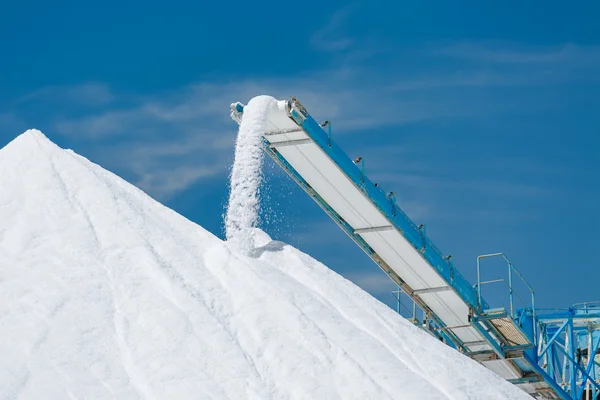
column 547, row 378
column 287, row 143
column 475, row 343
column 432, row 290
column 373, row 229
column 485, row 355
column 571, row 349
column 445, row 328
column 551, row 341
column 588, row 379
column 575, row 366
column 525, row 379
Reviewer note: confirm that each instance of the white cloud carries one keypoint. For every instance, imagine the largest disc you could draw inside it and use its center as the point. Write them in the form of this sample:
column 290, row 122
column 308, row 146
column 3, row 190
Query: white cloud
column 343, row 47
column 109, row 123
column 91, row 94
column 375, row 281
column 331, row 36
column 164, row 182
column 180, row 127
column 8, row 121
column 567, row 53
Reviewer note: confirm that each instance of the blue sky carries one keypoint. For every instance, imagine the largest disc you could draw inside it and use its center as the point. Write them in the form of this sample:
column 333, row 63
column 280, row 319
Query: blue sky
column 483, row 118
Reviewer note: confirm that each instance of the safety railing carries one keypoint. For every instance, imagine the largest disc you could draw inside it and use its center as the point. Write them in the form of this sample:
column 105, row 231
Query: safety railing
column 567, row 351
column 512, row 293
column 587, row 306
column 410, row 310
column 410, row 313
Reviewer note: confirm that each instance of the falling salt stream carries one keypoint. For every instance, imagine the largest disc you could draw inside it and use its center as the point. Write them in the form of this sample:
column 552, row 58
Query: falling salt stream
column 246, row 175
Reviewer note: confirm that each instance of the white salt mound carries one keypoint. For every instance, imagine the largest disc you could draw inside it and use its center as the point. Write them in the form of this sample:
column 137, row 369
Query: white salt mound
column 107, row 294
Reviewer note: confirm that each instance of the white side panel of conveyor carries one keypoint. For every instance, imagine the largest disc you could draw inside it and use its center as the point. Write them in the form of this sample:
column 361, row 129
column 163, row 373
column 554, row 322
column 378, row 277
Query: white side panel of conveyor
column 278, row 121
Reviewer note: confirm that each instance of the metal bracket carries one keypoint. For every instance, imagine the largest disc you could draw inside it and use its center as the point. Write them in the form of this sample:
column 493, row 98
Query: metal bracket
column 288, row 143
column 432, row 290
column 374, row 229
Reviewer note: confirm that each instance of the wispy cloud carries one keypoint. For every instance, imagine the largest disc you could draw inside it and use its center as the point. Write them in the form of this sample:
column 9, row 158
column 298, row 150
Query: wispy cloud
column 162, row 140
column 193, row 108
column 165, row 182
column 374, row 281
column 568, row 53
column 509, row 65
column 165, row 168
column 106, row 124
column 10, row 123
column 190, row 124
column 176, row 128
column 336, row 38
column 87, row 94
column 487, row 186
column 429, row 180
column 7, row 119
column 333, row 36
column 472, row 78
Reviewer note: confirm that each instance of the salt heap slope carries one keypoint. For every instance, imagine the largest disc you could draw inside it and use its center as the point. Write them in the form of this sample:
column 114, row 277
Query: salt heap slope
column 105, row 293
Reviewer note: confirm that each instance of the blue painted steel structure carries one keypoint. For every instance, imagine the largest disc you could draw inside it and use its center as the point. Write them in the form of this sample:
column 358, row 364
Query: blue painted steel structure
column 568, row 347
column 554, row 353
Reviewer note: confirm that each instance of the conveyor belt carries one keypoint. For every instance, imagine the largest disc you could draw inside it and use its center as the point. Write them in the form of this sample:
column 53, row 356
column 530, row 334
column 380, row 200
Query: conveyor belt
column 376, row 223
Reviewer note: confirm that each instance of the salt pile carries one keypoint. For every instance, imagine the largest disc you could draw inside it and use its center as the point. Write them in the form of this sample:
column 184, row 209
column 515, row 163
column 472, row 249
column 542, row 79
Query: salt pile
column 105, row 293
